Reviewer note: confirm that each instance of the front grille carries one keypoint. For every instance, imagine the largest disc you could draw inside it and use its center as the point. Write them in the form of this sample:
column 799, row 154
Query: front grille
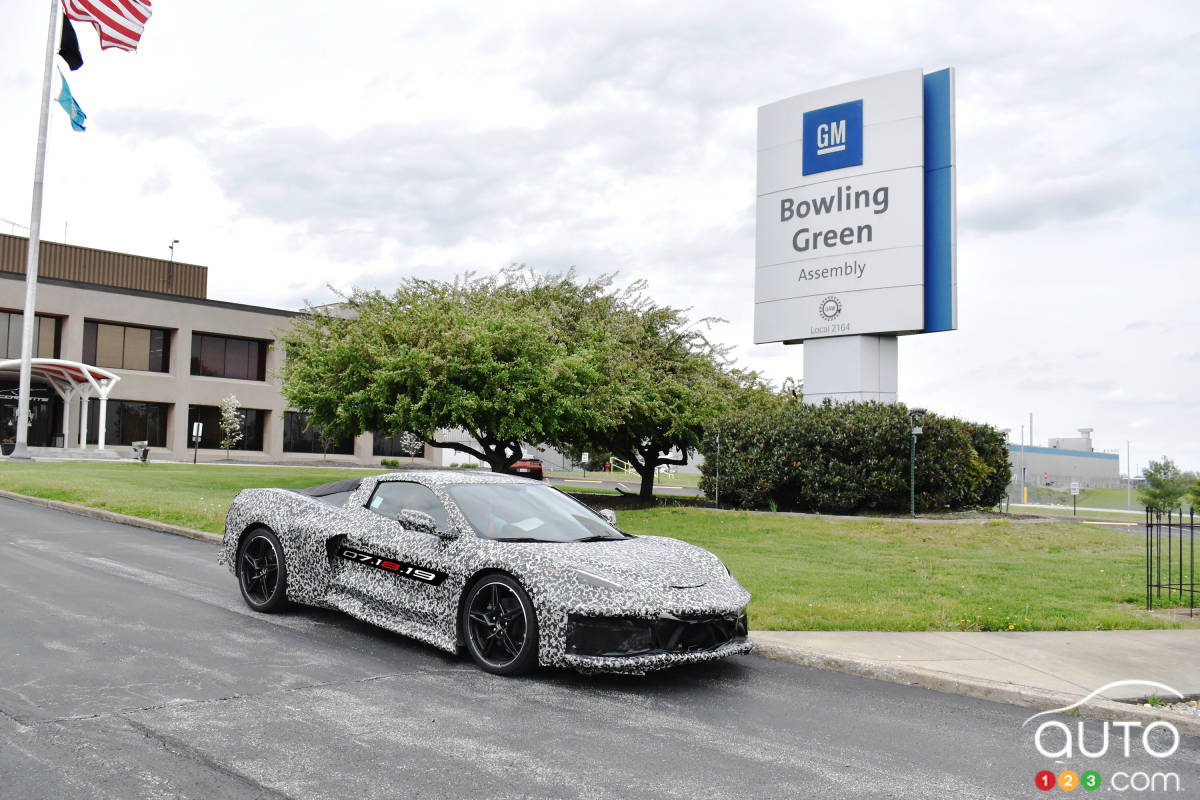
column 629, row 636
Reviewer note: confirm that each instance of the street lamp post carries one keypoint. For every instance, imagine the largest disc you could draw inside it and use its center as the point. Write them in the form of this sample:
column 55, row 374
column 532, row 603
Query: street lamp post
column 1128, row 477
column 1007, row 442
column 1024, row 497
column 916, row 415
column 171, row 267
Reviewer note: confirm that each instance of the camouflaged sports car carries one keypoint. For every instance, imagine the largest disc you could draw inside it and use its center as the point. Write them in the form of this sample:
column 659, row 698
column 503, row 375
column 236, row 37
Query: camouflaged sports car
column 515, row 571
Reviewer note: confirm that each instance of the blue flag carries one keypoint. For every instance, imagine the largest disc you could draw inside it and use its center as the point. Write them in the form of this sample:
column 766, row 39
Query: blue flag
column 78, row 118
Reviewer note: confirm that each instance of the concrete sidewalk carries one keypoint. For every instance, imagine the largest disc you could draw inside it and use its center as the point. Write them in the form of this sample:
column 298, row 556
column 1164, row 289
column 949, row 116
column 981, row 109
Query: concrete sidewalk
column 1041, row 670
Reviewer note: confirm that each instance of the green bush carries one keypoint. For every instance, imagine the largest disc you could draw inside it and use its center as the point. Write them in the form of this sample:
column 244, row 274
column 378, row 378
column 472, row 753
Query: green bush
column 389, row 462
column 850, row 457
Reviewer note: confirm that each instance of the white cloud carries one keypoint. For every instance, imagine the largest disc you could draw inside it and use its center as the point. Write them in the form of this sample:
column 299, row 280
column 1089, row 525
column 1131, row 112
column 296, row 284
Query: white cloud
column 290, row 152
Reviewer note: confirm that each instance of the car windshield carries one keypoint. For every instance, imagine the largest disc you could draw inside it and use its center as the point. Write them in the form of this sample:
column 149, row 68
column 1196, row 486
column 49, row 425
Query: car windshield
column 528, row 513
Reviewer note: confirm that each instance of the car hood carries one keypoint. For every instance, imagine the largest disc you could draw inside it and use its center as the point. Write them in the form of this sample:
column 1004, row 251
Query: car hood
column 641, row 564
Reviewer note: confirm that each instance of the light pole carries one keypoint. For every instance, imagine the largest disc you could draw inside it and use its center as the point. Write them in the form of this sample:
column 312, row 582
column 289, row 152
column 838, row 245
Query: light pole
column 916, row 415
column 171, row 267
column 1128, row 477
column 1024, row 497
column 1007, row 438
column 718, row 492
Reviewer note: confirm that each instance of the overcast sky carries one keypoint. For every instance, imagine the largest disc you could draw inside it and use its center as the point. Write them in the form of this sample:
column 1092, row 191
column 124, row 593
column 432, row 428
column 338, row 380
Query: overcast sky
column 293, row 145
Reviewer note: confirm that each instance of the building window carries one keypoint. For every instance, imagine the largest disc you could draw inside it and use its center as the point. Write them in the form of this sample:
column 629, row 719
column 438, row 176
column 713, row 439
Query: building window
column 254, row 421
column 126, row 346
column 298, row 440
column 46, row 335
column 128, row 421
column 402, row 444
column 229, row 357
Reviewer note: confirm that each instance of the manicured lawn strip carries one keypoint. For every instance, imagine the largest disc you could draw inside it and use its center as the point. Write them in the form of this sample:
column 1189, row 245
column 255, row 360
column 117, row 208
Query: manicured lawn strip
column 179, row 494
column 806, row 572
column 1059, row 511
column 630, row 479
column 813, row 573
column 1105, row 498
column 690, row 479
column 1094, row 498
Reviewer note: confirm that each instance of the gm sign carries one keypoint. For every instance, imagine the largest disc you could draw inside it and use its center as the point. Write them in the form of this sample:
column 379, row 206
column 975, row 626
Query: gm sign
column 833, row 137
column 856, row 238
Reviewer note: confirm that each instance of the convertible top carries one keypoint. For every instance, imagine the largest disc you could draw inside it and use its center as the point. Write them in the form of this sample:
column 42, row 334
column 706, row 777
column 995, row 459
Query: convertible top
column 336, row 493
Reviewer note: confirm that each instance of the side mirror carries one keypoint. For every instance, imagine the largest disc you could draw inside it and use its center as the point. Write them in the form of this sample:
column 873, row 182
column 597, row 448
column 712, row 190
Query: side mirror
column 609, row 515
column 413, row 520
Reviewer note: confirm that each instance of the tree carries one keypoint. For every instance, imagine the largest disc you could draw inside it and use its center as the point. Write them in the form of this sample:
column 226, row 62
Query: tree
column 501, row 357
column 230, row 423
column 1165, row 485
column 326, row 439
column 665, row 382
column 410, row 444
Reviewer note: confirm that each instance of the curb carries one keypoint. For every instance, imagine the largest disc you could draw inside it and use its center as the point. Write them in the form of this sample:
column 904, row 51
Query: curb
column 112, row 516
column 978, row 688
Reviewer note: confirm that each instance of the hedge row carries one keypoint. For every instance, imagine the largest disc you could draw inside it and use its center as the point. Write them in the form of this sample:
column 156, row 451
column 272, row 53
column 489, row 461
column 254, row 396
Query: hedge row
column 850, row 457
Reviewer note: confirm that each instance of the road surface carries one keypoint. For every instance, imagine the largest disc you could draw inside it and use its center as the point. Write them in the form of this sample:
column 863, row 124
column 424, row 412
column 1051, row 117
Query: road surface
column 131, row 669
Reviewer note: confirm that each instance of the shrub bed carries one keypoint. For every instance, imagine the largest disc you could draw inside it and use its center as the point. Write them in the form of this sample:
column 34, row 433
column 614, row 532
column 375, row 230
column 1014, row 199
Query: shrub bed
column 847, row 458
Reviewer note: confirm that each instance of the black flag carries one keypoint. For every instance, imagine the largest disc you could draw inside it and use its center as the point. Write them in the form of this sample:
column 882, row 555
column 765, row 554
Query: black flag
column 68, row 46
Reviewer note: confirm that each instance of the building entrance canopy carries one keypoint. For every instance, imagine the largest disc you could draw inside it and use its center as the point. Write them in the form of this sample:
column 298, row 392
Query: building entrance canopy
column 73, row 381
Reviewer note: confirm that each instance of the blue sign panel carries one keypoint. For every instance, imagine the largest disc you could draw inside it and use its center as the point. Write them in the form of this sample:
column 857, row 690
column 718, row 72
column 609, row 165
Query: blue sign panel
column 833, row 137
column 940, row 300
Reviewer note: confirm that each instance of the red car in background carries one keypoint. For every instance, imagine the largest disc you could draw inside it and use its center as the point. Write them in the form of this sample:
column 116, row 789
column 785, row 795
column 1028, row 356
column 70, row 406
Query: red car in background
column 527, row 468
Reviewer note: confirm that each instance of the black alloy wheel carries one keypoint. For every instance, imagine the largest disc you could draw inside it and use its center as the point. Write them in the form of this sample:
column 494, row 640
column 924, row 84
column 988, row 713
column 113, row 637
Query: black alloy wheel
column 500, row 626
column 262, row 572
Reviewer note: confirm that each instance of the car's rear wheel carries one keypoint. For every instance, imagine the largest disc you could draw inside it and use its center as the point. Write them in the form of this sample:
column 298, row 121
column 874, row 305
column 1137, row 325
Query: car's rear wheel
column 262, row 571
column 500, row 626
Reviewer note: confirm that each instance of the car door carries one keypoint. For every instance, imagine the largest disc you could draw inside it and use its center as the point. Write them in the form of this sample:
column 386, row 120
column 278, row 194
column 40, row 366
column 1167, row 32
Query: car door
column 403, row 570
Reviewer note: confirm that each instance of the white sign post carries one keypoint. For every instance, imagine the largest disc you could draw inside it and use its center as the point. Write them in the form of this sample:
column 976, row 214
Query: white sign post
column 1074, row 496
column 197, row 432
column 855, row 227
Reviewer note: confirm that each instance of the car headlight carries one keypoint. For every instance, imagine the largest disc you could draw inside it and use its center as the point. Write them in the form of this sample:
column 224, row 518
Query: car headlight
column 591, row 579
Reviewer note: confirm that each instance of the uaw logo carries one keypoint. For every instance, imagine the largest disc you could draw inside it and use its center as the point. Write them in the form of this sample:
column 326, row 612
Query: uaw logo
column 833, row 137
column 830, row 308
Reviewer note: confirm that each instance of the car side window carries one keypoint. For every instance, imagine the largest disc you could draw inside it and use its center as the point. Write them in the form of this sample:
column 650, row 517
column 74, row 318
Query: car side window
column 392, row 497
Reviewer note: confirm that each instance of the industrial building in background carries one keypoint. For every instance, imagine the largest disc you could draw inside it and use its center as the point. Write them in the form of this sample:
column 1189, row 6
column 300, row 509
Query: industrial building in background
column 1067, row 460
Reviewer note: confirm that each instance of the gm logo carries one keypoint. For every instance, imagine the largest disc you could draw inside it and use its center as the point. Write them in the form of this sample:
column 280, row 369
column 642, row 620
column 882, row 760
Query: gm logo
column 833, row 137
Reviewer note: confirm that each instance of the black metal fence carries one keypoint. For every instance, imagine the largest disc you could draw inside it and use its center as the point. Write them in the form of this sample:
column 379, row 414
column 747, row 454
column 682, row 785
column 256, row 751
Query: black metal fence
column 1171, row 559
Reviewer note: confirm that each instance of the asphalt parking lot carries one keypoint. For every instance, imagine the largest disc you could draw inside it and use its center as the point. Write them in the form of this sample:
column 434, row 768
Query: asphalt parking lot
column 131, row 668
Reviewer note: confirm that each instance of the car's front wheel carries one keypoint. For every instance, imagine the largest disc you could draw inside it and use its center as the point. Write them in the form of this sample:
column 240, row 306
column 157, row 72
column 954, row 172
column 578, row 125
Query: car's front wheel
column 262, row 571
column 500, row 626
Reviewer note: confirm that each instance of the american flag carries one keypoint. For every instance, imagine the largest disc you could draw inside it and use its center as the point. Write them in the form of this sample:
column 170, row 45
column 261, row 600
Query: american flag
column 119, row 22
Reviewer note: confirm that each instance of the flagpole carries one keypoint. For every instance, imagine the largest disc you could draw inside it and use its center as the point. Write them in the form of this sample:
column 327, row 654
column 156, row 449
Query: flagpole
column 21, row 448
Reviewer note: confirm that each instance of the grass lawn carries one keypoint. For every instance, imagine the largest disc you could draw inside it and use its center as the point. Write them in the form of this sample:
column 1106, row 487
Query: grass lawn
column 687, row 479
column 814, row 573
column 1105, row 498
column 806, row 572
column 181, row 494
column 1093, row 498
column 1136, row 518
